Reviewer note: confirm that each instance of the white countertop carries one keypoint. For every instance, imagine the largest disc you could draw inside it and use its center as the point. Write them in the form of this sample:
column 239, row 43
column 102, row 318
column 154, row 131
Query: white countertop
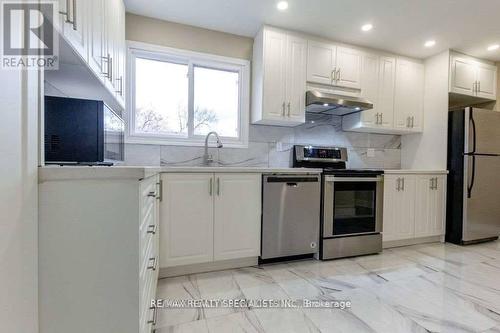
column 415, row 172
column 56, row 172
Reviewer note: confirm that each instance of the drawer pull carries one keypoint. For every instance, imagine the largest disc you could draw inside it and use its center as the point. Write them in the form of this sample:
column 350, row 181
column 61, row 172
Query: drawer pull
column 155, row 315
column 152, row 229
column 152, row 194
column 153, row 266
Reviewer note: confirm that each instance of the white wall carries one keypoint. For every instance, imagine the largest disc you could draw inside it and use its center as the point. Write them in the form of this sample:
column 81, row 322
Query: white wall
column 19, row 100
column 181, row 36
column 429, row 149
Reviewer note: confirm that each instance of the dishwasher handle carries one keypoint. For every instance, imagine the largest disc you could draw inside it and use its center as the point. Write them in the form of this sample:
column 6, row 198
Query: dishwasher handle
column 291, row 180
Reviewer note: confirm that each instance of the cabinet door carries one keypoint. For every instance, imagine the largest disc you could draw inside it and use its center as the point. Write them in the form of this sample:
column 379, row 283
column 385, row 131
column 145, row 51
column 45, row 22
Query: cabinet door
column 97, row 36
column 430, row 206
column 120, row 52
column 463, row 76
column 75, row 26
column 321, row 59
column 369, row 89
column 399, row 207
column 186, row 219
column 274, row 106
column 386, row 86
column 296, row 78
column 487, row 81
column 349, row 67
column 237, row 216
column 409, row 95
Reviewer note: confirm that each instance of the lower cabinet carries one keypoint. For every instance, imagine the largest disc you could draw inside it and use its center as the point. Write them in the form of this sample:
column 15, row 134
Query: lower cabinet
column 414, row 206
column 209, row 217
column 98, row 252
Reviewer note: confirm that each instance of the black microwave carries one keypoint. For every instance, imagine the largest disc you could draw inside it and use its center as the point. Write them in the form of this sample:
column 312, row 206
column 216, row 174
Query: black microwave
column 80, row 131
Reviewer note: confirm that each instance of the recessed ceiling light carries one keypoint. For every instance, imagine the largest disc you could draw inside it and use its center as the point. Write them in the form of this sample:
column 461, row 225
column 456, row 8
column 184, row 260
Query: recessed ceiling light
column 367, row 27
column 430, row 43
column 493, row 47
column 282, row 5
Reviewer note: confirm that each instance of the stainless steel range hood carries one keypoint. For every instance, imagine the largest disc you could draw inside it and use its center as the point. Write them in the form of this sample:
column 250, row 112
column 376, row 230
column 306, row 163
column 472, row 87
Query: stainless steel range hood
column 337, row 105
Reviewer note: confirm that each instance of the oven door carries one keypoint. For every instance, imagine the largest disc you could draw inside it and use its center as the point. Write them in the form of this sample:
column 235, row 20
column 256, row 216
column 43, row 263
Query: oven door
column 352, row 205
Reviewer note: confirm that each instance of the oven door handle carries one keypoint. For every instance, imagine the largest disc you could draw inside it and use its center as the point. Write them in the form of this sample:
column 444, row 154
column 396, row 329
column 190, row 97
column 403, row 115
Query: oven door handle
column 332, row 179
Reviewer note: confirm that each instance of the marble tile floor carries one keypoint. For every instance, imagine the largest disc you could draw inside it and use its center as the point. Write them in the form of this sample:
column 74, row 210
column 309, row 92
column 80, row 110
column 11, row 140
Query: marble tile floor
column 423, row 288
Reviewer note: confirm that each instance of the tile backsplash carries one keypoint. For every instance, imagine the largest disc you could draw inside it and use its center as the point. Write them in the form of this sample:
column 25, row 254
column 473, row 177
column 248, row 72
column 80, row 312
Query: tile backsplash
column 270, row 146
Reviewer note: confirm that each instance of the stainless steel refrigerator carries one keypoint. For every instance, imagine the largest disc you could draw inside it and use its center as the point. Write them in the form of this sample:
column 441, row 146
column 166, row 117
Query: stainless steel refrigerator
column 473, row 206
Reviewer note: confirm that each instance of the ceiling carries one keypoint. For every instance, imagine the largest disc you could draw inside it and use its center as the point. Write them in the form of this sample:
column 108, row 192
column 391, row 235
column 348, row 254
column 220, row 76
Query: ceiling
column 400, row 26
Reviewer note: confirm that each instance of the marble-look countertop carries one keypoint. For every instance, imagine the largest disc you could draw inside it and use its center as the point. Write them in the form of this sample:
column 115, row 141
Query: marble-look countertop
column 55, row 172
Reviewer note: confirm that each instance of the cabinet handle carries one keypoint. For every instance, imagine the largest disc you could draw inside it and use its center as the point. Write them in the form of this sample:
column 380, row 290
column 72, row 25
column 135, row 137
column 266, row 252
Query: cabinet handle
column 218, row 186
column 402, row 184
column 412, row 122
column 121, row 86
column 283, row 108
column 160, row 190
column 74, row 15
column 107, row 60
column 436, row 183
column 398, row 184
column 210, row 188
column 66, row 13
column 339, row 75
column 111, row 74
column 151, row 229
column 153, row 266
column 154, row 320
column 478, row 86
column 152, row 194
column 333, row 75
column 289, row 108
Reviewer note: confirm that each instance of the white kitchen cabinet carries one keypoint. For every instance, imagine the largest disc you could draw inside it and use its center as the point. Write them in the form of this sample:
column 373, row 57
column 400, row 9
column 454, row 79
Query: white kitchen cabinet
column 237, row 210
column 95, row 30
column 409, row 96
column 377, row 85
column 187, row 219
column 97, row 37
column 100, row 229
column 414, row 206
column 430, row 205
column 75, row 20
column 399, row 207
column 321, row 62
column 279, row 78
column 472, row 77
column 349, row 68
column 209, row 217
column 330, row 65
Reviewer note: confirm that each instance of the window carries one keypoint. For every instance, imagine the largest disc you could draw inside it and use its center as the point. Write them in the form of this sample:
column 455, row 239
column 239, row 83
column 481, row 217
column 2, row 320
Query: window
column 178, row 97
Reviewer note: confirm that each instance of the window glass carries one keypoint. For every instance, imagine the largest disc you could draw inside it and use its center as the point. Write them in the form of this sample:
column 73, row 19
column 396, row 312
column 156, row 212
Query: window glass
column 161, row 97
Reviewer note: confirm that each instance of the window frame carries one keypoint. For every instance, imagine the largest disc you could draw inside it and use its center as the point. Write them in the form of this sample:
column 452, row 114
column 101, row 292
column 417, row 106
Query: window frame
column 192, row 60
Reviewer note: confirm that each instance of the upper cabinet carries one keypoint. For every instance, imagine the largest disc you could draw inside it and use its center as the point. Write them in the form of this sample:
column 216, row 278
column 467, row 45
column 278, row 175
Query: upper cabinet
column 472, row 77
column 332, row 65
column 95, row 31
column 279, row 78
column 74, row 22
column 396, row 89
column 286, row 64
column 409, row 96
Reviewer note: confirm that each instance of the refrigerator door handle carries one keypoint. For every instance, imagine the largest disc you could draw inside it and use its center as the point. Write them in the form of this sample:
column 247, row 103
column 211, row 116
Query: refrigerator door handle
column 470, row 184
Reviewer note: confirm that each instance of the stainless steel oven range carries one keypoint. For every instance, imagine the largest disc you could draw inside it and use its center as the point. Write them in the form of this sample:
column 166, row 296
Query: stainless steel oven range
column 351, row 204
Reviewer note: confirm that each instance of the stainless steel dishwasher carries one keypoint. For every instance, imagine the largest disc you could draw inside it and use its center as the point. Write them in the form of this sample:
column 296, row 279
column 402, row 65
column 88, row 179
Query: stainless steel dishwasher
column 290, row 216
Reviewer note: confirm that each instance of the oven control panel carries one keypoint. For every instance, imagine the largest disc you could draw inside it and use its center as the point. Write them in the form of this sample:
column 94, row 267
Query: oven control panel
column 320, row 154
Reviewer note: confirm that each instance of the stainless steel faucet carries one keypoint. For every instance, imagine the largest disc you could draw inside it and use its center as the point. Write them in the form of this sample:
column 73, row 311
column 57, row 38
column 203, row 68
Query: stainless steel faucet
column 208, row 159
